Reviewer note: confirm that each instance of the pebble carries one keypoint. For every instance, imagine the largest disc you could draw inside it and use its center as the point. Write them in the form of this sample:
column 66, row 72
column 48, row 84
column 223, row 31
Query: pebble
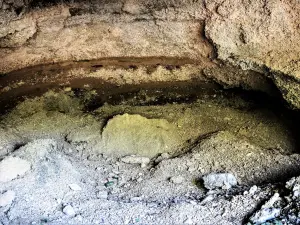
column 162, row 157
column 59, row 200
column 188, row 221
column 219, row 180
column 133, row 159
column 102, row 194
column 7, row 198
column 139, row 180
column 75, row 187
column 252, row 190
column 136, row 199
column 69, row 211
column 177, row 179
column 207, row 199
column 79, row 218
column 271, row 202
column 12, row 167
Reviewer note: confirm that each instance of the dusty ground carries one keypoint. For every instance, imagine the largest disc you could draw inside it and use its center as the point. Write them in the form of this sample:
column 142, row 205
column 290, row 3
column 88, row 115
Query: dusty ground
column 66, row 144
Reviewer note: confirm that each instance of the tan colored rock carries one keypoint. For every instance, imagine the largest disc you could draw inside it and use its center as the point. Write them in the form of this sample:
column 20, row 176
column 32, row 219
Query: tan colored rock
column 13, row 167
column 257, row 33
column 133, row 159
column 62, row 37
column 259, row 36
column 133, row 134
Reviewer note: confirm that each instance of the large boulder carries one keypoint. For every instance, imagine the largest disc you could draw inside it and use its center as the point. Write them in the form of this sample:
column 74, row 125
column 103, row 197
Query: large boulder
column 134, row 134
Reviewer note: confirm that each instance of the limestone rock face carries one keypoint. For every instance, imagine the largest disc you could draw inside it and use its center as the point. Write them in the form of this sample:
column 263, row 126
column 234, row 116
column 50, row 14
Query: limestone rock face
column 257, row 33
column 259, row 38
column 134, row 134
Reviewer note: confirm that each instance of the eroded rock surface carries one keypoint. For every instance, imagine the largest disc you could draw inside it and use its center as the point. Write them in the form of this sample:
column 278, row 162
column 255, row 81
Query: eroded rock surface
column 134, row 134
column 258, row 39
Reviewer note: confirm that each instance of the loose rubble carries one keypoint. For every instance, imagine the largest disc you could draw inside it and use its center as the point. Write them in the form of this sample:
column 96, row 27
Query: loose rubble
column 219, row 180
column 268, row 211
column 280, row 209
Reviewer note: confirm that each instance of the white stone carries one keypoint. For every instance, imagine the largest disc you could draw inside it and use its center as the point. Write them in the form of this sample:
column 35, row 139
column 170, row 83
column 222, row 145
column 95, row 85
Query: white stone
column 75, row 187
column 188, row 221
column 68, row 210
column 253, row 189
column 270, row 203
column 219, row 180
column 139, row 179
column 7, row 198
column 267, row 211
column 207, row 199
column 102, row 194
column 177, row 179
column 79, row 218
column 133, row 159
column 12, row 167
column 264, row 215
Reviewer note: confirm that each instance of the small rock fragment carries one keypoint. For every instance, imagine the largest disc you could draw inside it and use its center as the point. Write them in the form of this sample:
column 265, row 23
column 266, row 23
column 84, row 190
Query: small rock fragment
column 275, row 198
column 139, row 180
column 252, row 190
column 264, row 215
column 69, row 211
column 136, row 199
column 75, row 187
column 188, row 221
column 7, row 198
column 79, row 218
column 12, row 167
column 133, row 159
column 219, row 180
column 207, row 199
column 177, row 179
column 102, row 194
column 267, row 211
column 162, row 157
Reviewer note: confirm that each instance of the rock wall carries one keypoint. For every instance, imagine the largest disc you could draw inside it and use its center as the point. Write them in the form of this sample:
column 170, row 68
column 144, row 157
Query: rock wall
column 249, row 41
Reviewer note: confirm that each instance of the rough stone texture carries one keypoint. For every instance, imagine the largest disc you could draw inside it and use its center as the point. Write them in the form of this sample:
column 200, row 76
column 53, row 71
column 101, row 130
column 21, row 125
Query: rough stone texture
column 12, row 167
column 219, row 180
column 56, row 35
column 259, row 36
column 7, row 198
column 136, row 160
column 134, row 134
column 256, row 33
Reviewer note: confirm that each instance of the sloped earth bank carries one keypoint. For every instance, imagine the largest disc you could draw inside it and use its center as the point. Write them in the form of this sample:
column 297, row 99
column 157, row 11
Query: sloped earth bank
column 66, row 158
